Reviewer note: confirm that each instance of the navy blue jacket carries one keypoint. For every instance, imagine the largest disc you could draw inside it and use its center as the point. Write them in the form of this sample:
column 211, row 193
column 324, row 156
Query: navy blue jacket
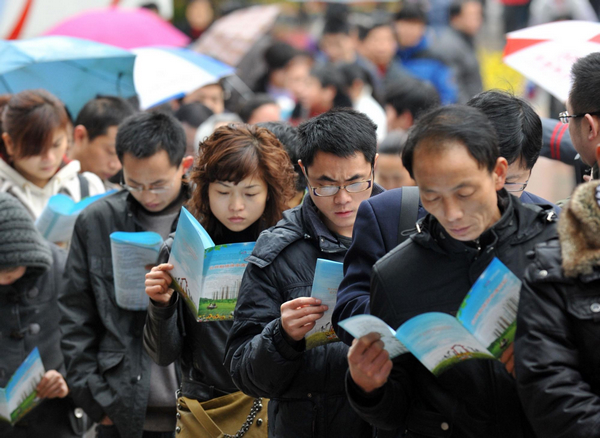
column 375, row 234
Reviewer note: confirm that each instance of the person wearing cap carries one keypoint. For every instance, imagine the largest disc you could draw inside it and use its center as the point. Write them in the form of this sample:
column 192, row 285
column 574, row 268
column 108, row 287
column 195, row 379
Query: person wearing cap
column 558, row 324
column 30, row 284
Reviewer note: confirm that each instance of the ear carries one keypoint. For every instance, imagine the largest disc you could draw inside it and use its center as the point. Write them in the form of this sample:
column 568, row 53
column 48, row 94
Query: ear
column 329, row 93
column 375, row 162
column 406, row 120
column 594, row 124
column 302, row 167
column 80, row 134
column 500, row 172
column 187, row 163
column 8, row 144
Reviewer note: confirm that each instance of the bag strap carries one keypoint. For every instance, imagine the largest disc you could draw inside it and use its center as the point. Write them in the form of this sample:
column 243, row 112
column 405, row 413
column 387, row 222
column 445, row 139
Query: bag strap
column 409, row 212
column 84, row 186
column 204, row 420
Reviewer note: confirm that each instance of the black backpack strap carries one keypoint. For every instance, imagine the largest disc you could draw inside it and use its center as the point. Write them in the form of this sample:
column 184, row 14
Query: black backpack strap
column 409, row 212
column 84, row 186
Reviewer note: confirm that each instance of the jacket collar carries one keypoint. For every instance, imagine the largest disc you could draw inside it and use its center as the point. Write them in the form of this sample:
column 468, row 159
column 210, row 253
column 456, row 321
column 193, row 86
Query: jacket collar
column 518, row 223
column 301, row 222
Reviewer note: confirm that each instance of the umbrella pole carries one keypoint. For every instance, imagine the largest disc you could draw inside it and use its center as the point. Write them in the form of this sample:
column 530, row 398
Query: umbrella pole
column 240, row 87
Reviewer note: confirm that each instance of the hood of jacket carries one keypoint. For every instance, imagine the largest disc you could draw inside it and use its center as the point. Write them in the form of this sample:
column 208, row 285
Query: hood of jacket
column 301, row 222
column 579, row 231
column 522, row 221
column 32, row 196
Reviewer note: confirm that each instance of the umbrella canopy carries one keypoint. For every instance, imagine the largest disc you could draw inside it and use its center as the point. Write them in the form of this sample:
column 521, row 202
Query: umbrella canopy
column 230, row 38
column 545, row 54
column 72, row 69
column 163, row 73
column 125, row 28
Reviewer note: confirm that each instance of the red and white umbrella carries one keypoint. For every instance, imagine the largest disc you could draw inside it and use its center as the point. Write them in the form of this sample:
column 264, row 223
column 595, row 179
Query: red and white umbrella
column 545, row 54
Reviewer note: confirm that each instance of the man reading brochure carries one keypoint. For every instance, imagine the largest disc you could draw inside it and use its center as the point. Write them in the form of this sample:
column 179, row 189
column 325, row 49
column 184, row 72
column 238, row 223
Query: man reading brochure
column 266, row 348
column 108, row 371
column 452, row 153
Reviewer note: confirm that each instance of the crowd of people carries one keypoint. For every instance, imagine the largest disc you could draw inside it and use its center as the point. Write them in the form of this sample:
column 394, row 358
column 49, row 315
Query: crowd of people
column 380, row 151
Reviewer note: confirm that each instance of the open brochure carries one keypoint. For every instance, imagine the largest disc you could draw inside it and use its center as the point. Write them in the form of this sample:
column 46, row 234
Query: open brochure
column 484, row 326
column 20, row 396
column 133, row 255
column 208, row 277
column 327, row 279
column 57, row 220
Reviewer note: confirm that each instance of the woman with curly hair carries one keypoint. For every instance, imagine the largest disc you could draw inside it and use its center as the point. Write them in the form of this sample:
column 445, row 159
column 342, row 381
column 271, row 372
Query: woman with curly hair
column 243, row 179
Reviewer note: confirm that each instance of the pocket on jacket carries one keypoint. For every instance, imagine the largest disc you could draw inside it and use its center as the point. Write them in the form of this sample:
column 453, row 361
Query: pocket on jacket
column 585, row 308
column 108, row 360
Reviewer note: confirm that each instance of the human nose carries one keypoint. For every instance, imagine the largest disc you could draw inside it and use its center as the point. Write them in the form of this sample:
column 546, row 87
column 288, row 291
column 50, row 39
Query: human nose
column 452, row 211
column 236, row 203
column 114, row 164
column 342, row 197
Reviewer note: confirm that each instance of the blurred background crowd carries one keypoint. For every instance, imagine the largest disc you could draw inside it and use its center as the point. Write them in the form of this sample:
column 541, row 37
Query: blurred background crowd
column 213, row 62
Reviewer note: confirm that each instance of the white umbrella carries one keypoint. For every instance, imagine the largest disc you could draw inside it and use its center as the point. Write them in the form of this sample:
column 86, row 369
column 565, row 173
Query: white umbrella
column 545, row 54
column 164, row 73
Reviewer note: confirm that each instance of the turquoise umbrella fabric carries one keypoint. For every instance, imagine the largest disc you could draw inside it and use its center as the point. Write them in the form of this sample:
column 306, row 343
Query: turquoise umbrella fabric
column 73, row 69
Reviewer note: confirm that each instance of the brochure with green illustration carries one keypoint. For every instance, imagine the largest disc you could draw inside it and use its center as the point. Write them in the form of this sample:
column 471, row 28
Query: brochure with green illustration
column 57, row 220
column 133, row 255
column 207, row 276
column 327, row 279
column 484, row 326
column 20, row 395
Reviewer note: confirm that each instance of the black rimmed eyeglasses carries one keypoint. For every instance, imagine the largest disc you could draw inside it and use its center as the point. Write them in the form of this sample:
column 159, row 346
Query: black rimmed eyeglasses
column 565, row 116
column 356, row 187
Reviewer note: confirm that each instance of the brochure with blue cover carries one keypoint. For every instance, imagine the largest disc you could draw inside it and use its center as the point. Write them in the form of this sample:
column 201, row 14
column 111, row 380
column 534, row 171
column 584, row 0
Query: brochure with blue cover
column 20, row 395
column 207, row 276
column 327, row 279
column 133, row 255
column 484, row 326
column 57, row 220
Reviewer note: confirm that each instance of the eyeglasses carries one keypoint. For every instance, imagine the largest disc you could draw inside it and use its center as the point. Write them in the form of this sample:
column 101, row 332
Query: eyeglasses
column 565, row 116
column 515, row 187
column 356, row 187
column 154, row 190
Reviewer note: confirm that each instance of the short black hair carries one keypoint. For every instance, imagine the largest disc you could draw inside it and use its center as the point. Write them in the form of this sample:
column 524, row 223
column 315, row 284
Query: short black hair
column 102, row 112
column 367, row 24
column 288, row 136
column 411, row 12
column 412, row 95
column 279, row 54
column 341, row 131
column 336, row 25
column 454, row 123
column 144, row 134
column 329, row 76
column 456, row 7
column 585, row 91
column 393, row 143
column 194, row 113
column 255, row 102
column 518, row 126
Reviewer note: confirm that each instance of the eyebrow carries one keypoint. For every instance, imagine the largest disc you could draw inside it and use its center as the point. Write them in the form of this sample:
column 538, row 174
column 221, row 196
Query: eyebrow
column 325, row 178
column 230, row 185
column 159, row 181
column 458, row 187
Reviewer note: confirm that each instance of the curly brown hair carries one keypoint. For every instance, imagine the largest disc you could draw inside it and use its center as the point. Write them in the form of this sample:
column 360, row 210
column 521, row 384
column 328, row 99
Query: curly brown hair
column 232, row 153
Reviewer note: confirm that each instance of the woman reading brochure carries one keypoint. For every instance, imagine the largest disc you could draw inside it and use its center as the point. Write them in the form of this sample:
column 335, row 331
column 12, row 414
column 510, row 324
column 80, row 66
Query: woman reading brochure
column 243, row 179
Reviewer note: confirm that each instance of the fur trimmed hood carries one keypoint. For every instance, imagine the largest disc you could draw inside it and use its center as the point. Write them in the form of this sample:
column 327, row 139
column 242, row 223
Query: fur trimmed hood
column 579, row 231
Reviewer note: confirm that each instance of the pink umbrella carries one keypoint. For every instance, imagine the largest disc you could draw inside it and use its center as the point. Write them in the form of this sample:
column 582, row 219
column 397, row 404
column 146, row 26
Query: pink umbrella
column 126, row 28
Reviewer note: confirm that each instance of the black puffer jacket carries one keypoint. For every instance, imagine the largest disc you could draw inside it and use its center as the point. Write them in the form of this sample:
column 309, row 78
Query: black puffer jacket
column 557, row 350
column 433, row 272
column 306, row 387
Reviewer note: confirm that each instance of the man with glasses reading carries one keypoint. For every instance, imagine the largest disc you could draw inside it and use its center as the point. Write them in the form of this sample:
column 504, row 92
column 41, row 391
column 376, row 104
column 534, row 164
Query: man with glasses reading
column 583, row 110
column 109, row 373
column 266, row 349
